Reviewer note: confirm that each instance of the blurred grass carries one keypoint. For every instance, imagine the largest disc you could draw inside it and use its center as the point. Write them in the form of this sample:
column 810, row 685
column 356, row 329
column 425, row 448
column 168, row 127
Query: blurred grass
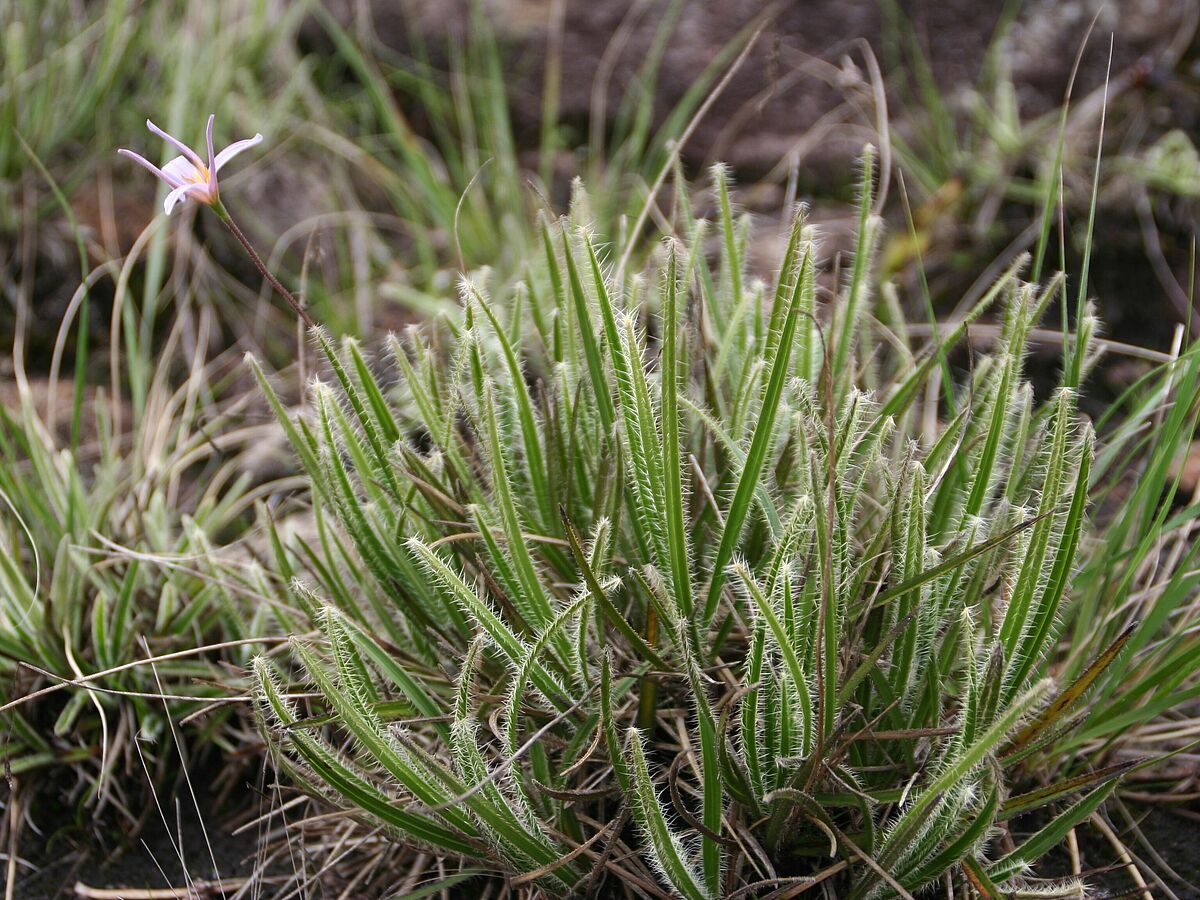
column 53, row 82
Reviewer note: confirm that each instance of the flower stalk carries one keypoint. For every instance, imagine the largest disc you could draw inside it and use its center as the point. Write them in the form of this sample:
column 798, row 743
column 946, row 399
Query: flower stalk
column 227, row 220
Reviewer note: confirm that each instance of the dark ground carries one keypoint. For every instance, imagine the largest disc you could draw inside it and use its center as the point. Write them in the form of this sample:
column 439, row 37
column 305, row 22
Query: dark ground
column 154, row 862
column 176, row 840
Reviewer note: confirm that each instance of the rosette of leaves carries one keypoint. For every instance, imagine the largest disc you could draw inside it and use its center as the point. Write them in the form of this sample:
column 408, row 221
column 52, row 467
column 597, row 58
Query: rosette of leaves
column 693, row 584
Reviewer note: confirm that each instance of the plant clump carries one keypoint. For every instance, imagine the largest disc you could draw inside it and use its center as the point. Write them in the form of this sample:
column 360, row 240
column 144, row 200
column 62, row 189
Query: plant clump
column 693, row 583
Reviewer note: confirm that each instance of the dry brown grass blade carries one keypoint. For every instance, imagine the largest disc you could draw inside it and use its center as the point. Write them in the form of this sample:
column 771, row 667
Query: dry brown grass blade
column 178, row 654
column 1034, row 799
column 681, row 807
column 195, row 890
column 1143, row 889
column 1068, row 697
column 528, row 877
column 845, row 840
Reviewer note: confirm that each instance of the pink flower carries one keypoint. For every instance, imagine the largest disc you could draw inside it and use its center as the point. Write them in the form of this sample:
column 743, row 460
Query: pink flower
column 188, row 175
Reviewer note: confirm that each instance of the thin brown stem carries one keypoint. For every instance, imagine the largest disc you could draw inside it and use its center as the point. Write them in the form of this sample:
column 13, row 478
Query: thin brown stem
column 287, row 295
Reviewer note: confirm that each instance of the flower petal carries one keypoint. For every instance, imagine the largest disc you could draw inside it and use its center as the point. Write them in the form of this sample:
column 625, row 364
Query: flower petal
column 234, row 149
column 145, row 163
column 179, row 145
column 182, row 172
column 180, row 193
column 212, row 165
